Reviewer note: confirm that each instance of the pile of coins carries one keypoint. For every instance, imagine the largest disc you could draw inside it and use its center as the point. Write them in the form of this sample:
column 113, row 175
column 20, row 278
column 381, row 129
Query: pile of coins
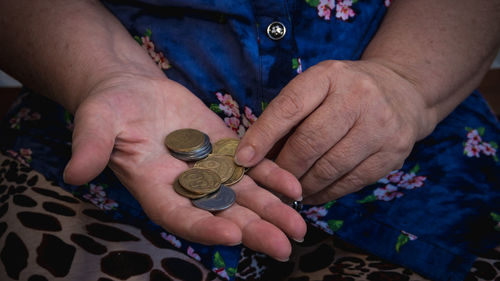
column 206, row 184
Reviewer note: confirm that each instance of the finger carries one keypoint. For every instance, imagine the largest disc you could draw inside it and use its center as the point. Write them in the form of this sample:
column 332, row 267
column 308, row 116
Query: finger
column 314, row 137
column 93, row 140
column 177, row 214
column 348, row 153
column 368, row 172
column 259, row 235
column 299, row 98
column 270, row 208
column 201, row 226
column 270, row 175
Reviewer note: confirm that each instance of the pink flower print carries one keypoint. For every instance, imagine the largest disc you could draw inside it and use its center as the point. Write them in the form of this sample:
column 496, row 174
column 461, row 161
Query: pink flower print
column 97, row 190
column 14, row 122
column 325, row 8
column 228, row 105
column 108, row 204
column 96, row 200
column 97, row 196
column 232, row 122
column 315, row 213
column 249, row 115
column 387, row 193
column 392, row 177
column 193, row 254
column 23, row 157
column 221, row 271
column 163, row 63
column 228, row 111
column 147, row 44
column 474, row 137
column 472, row 150
column 25, row 152
column 171, row 239
column 387, row 3
column 245, row 122
column 344, row 10
column 35, row 116
column 323, row 225
column 487, row 149
column 299, row 66
column 411, row 236
column 23, row 112
column 241, row 131
column 12, row 153
column 411, row 181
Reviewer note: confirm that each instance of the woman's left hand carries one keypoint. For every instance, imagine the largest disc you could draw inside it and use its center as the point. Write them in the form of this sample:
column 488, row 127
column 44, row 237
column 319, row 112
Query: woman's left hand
column 350, row 124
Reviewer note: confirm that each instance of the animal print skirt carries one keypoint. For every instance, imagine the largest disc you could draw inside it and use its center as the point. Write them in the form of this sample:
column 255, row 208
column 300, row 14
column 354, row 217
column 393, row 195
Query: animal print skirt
column 47, row 233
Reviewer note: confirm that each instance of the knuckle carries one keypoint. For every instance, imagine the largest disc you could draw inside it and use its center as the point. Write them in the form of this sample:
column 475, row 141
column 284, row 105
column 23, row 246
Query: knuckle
column 326, row 170
column 356, row 182
column 261, row 135
column 304, row 145
column 367, row 84
column 334, row 65
column 287, row 105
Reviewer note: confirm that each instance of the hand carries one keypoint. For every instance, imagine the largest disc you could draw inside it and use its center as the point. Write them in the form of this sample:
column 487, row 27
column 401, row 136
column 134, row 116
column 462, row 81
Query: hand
column 126, row 119
column 350, row 124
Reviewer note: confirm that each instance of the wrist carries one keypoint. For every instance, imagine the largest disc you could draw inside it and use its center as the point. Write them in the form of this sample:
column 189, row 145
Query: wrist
column 407, row 91
column 112, row 70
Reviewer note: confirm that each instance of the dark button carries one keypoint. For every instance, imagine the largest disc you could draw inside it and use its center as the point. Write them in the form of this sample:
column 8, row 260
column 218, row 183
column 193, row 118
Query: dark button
column 276, row 30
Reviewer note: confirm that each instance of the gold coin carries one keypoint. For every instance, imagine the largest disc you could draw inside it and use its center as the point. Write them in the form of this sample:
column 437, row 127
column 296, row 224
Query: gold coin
column 200, row 181
column 223, row 165
column 186, row 193
column 185, row 140
column 226, row 146
column 239, row 171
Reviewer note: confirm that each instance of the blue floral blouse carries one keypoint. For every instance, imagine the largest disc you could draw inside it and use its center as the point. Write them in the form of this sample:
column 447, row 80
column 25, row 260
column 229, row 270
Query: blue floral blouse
column 433, row 215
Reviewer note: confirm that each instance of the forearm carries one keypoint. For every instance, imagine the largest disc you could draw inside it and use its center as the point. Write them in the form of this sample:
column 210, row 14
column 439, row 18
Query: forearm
column 64, row 48
column 442, row 47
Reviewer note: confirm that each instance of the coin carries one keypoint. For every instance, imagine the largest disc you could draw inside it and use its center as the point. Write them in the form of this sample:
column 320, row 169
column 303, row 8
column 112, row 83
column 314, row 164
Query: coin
column 200, row 181
column 226, row 146
column 223, row 165
column 184, row 192
column 194, row 155
column 185, row 140
column 217, row 201
column 239, row 171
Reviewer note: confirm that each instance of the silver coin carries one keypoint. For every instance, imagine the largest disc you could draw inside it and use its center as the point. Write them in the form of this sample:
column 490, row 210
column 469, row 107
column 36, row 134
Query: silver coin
column 193, row 155
column 217, row 201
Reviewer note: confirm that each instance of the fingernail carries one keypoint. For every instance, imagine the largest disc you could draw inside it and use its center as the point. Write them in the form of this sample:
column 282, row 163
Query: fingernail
column 282, row 260
column 235, row 244
column 298, row 240
column 299, row 199
column 244, row 156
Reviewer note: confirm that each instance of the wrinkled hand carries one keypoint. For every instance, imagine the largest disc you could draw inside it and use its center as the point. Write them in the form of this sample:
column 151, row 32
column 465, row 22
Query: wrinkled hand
column 350, row 123
column 126, row 119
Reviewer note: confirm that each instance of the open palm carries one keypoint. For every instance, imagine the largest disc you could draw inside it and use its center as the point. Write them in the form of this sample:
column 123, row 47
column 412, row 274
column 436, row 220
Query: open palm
column 123, row 123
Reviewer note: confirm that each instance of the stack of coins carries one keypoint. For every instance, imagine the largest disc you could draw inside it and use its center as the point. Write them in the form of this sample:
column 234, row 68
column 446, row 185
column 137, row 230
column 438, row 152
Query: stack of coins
column 188, row 144
column 206, row 184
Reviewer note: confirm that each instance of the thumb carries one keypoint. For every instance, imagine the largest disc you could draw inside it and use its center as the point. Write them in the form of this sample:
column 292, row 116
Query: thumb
column 294, row 103
column 93, row 141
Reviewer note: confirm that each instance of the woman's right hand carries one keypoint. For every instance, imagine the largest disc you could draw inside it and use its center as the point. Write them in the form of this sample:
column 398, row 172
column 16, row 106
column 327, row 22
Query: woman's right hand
column 124, row 121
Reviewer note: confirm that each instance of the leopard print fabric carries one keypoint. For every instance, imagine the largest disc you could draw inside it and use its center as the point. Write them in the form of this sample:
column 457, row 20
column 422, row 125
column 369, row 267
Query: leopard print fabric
column 328, row 258
column 46, row 233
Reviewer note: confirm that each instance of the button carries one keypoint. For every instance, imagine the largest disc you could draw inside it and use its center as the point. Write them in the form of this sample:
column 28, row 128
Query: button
column 276, row 30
